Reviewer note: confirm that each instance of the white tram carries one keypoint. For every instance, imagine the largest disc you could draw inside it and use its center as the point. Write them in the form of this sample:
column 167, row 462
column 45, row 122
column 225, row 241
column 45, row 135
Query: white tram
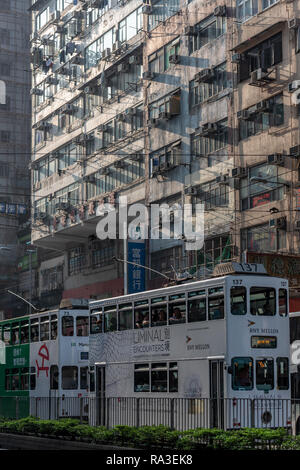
column 59, row 350
column 202, row 354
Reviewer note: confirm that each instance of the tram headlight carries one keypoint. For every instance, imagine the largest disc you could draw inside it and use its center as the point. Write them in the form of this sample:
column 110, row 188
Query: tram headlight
column 266, row 417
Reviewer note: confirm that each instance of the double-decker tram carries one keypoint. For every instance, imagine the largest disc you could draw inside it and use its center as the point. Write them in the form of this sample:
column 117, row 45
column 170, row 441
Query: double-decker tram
column 201, row 354
column 44, row 362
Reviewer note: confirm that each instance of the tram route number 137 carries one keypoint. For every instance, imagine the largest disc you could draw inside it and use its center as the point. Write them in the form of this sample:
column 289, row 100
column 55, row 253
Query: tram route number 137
column 249, row 268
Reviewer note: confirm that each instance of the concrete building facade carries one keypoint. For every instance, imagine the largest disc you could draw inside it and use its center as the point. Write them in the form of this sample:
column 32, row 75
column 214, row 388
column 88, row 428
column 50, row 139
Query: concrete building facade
column 165, row 102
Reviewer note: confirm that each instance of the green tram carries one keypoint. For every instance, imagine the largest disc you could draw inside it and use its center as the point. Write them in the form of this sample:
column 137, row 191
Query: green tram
column 44, row 356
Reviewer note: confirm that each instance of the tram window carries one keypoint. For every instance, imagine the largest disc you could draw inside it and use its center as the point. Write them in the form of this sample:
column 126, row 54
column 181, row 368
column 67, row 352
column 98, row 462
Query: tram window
column 141, row 378
column 82, row 326
column 173, row 377
column 32, row 378
column 6, row 334
column 69, row 378
column 96, row 323
column 53, row 332
column 282, row 373
column 15, row 379
column 92, row 379
column 216, row 307
column 83, row 378
column 196, row 293
column 197, row 310
column 177, row 313
column 34, row 330
column 159, row 311
column 283, row 311
column 24, row 332
column 44, row 329
column 125, row 317
column 110, row 318
column 15, row 336
column 159, row 377
column 7, row 379
column 141, row 316
column 67, row 325
column 238, row 301
column 54, row 375
column 263, row 301
column 25, row 378
column 265, row 374
column 177, row 296
column 294, row 329
column 242, row 373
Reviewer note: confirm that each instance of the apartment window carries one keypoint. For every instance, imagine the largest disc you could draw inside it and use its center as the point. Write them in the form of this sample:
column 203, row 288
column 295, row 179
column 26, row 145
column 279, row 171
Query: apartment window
column 206, row 31
column 94, row 13
column 260, row 121
column 263, row 239
column 298, row 39
column 5, row 37
column 266, row 54
column 165, row 260
column 268, row 3
column 42, row 18
column 5, row 5
column 204, row 144
column 257, row 194
column 212, row 195
column 159, row 61
column 167, row 107
column 5, row 136
column 166, row 158
column 77, row 260
column 200, row 91
column 131, row 25
column 215, row 250
column 161, row 10
column 4, row 170
column 93, row 53
column 245, row 9
column 102, row 253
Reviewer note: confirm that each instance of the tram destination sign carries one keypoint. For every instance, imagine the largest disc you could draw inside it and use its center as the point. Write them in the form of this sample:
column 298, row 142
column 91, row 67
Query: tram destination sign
column 242, row 268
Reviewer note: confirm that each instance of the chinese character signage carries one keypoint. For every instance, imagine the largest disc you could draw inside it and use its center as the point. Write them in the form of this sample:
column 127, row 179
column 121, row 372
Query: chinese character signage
column 136, row 274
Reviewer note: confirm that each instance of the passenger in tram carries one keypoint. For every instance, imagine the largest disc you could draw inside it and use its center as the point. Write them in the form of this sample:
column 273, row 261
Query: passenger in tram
column 176, row 317
column 159, row 318
column 145, row 322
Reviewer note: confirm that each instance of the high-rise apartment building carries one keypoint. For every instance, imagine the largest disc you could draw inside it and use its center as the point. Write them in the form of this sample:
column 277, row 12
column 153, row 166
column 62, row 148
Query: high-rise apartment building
column 165, row 102
column 15, row 147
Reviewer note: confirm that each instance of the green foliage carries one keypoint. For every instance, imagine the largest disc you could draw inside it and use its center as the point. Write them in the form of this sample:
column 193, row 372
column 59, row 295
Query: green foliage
column 157, row 437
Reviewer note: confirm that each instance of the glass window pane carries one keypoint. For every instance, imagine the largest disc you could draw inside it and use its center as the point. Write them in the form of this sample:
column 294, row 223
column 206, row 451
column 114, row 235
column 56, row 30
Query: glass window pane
column 283, row 304
column 54, row 377
column 159, row 378
column 197, row 310
column 82, row 326
column 282, row 373
column 44, row 329
column 216, row 307
column 177, row 313
column 53, row 327
column 265, row 374
column 83, row 378
column 263, row 301
column 34, row 330
column 25, row 332
column 238, row 300
column 242, row 373
column 69, row 378
column 67, row 326
column 142, row 378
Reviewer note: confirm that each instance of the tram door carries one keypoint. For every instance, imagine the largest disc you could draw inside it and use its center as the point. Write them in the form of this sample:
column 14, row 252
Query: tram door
column 216, row 375
column 100, row 384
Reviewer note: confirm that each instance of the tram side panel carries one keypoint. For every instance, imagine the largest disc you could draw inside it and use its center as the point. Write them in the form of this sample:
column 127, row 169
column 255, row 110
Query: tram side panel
column 182, row 351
